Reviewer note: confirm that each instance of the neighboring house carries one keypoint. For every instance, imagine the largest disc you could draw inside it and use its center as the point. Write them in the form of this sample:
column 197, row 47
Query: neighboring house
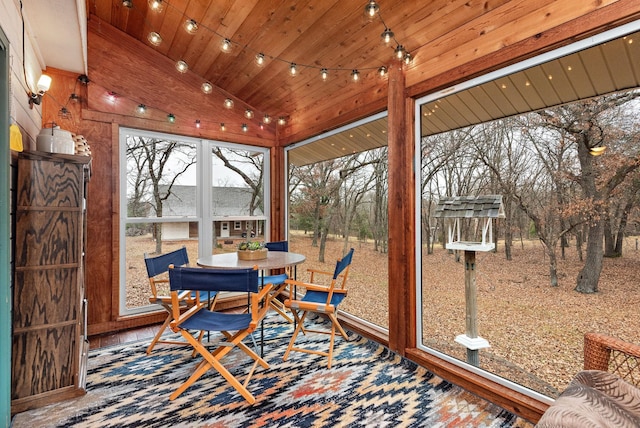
column 229, row 209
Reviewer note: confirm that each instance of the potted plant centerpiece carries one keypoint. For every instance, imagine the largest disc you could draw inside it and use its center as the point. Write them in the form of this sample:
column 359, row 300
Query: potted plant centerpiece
column 252, row 250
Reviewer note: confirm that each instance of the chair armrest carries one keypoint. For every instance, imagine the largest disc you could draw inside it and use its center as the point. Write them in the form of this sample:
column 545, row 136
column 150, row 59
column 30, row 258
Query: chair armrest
column 606, row 353
column 260, row 305
column 175, row 324
column 308, row 285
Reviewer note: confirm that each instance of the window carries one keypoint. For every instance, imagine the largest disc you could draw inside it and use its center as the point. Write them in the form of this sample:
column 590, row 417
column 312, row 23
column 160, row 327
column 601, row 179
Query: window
column 237, row 225
column 518, row 316
column 166, row 201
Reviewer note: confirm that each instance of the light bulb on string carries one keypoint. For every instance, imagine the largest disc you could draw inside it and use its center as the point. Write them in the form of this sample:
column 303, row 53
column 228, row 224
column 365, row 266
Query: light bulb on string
column 154, row 38
column 127, row 3
column 260, row 59
column 387, row 35
column 371, row 9
column 222, row 126
column 245, row 128
column 141, row 108
column 293, row 69
column 182, row 66
column 198, row 123
column 266, row 119
column 248, row 113
column 228, row 103
column 207, row 87
column 407, row 58
column 399, row 52
column 324, row 73
column 191, row 26
column 156, row 5
column 282, row 120
column 226, row 45
column 171, row 118
column 382, row 71
column 355, row 75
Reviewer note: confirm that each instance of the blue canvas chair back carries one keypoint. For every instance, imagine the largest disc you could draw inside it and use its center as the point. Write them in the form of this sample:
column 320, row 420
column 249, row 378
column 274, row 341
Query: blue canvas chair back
column 160, row 264
column 341, row 265
column 202, row 279
column 278, row 246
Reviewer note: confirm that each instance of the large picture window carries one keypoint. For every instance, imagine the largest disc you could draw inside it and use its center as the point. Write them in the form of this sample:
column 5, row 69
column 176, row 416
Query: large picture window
column 557, row 138
column 178, row 191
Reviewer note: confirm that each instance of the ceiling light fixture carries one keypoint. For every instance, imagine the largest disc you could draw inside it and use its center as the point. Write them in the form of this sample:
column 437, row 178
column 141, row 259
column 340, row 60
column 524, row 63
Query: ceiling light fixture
column 228, row 103
column 207, row 87
column 43, row 85
column 191, row 26
column 154, row 38
column 156, row 5
column 182, row 66
column 387, row 35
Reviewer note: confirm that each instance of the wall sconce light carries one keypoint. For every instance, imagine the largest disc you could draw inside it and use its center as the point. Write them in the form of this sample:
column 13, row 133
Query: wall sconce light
column 44, row 83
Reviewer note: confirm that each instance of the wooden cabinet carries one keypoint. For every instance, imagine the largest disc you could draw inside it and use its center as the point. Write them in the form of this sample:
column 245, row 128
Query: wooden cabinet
column 49, row 344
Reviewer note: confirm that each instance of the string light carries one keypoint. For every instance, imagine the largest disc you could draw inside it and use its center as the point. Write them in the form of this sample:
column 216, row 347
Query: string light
column 260, row 59
column 222, row 127
column 182, row 66
column 266, row 119
column 324, row 73
column 154, row 38
column 387, row 35
column 293, row 69
column 171, row 118
column 191, row 26
column 156, row 5
column 198, row 123
column 207, row 87
column 245, row 128
column 382, row 71
column 371, row 9
column 112, row 96
column 407, row 58
column 127, row 3
column 248, row 113
column 228, row 103
column 141, row 108
column 226, row 45
column 399, row 52
column 355, row 75
column 282, row 120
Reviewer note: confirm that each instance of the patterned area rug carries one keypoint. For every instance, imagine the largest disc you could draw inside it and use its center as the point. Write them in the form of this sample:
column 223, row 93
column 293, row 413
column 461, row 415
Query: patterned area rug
column 367, row 386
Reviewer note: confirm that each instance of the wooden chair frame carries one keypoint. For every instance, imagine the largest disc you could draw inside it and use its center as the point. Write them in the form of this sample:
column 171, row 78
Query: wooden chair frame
column 335, row 292
column 199, row 317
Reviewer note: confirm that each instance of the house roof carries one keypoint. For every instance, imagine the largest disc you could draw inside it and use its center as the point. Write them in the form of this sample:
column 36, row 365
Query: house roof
column 229, row 203
column 483, row 206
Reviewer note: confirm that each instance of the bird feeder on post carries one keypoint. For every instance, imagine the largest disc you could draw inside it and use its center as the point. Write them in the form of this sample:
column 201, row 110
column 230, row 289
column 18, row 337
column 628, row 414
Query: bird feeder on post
column 481, row 209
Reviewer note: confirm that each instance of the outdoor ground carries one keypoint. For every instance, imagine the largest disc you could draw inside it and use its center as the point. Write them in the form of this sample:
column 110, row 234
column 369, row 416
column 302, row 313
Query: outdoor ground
column 535, row 331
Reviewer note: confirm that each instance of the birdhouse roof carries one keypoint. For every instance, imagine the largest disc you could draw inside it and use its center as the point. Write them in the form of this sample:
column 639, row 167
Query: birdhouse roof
column 483, row 206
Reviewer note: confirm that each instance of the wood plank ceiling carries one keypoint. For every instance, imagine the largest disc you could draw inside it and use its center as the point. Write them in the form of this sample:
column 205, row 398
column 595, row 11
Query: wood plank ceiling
column 336, row 35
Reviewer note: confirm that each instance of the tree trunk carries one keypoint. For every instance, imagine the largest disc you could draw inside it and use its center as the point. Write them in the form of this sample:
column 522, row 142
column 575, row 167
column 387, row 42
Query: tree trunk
column 588, row 277
column 553, row 267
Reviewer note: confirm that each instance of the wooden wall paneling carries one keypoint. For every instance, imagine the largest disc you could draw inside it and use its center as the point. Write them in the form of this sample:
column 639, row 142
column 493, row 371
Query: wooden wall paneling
column 278, row 193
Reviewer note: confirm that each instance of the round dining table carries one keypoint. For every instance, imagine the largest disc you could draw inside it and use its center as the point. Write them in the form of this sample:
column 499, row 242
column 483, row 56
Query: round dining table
column 274, row 260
